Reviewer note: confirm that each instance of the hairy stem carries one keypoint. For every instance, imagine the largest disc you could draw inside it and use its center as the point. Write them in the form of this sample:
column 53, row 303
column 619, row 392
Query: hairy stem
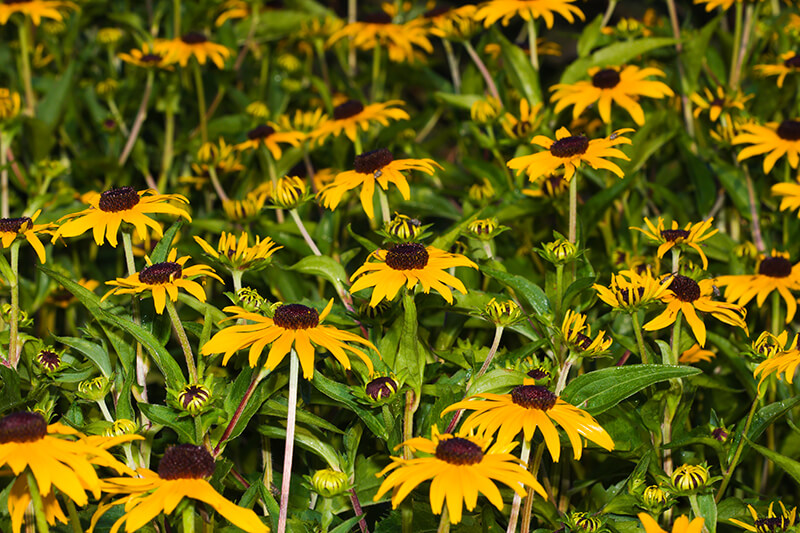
column 38, row 504
column 294, row 375
column 184, row 340
column 201, row 100
column 487, row 77
column 514, row 516
column 304, row 232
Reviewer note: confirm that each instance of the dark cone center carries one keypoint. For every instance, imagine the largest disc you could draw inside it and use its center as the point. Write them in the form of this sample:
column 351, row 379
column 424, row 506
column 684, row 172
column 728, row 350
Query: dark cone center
column 296, row 316
column 14, row 225
column 436, row 11
column 261, row 132
column 49, row 360
column 626, row 294
column 771, row 525
column 775, row 267
column 458, row 451
column 193, row 394
column 570, row 146
column 583, row 341
column 380, row 388
column 672, row 235
column 717, row 102
column 538, row 373
column 194, row 37
column 792, row 62
column 186, row 461
column 377, row 18
column 116, row 200
column 605, row 79
column 372, row 162
column 533, row 397
column 685, row 289
column 407, row 256
column 159, row 273
column 22, row 427
column 151, row 58
column 348, row 109
column 789, row 130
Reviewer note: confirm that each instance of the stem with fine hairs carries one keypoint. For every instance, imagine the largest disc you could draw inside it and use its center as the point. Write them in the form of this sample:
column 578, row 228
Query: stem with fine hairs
column 294, row 376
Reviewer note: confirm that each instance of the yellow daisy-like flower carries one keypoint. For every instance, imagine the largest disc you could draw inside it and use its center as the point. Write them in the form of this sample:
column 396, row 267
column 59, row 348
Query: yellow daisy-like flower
column 352, row 115
column 164, row 279
column 408, row 264
column 239, row 254
column 244, row 210
column 35, row 9
column 293, row 326
column 232, row 10
column 193, row 44
column 691, row 235
column 61, row 297
column 494, row 10
column 688, row 296
column 623, row 86
column 781, row 363
column 107, row 211
column 267, row 135
column 526, row 408
column 377, row 166
column 790, row 193
column 530, row 117
column 454, row 23
column 460, row 467
column 777, row 139
column 774, row 273
column 790, row 65
column 711, row 5
column 570, row 150
column 630, row 290
column 695, row 354
column 304, row 122
column 552, row 186
column 10, row 103
column 182, row 473
column 578, row 336
column 146, row 58
column 769, row 523
column 719, row 102
column 681, row 524
column 12, row 229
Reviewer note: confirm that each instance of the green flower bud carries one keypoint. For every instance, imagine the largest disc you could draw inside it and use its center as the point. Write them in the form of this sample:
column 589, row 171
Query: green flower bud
column 123, row 426
column 559, row 251
column 329, row 482
column 586, row 522
column 481, row 192
column 403, row 227
column 654, row 497
column 49, row 361
column 689, row 477
column 194, row 398
column 502, row 313
column 94, row 389
column 249, row 299
column 381, row 388
column 289, row 192
column 483, row 229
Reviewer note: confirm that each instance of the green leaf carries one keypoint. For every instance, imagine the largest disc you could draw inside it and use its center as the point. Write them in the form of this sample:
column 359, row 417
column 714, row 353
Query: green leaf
column 340, row 393
column 96, row 353
column 601, row 390
column 324, row 267
column 463, row 101
column 279, row 409
column 363, row 241
column 161, row 251
column 497, row 381
column 409, row 365
column 614, row 54
column 51, row 106
column 790, row 466
column 589, row 36
column 167, row 417
column 306, row 440
column 707, row 508
column 347, row 525
column 520, row 70
column 763, row 418
column 444, row 242
column 524, row 287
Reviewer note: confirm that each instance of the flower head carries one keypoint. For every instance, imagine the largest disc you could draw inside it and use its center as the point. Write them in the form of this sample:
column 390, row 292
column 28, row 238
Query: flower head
column 691, row 235
column 494, row 10
column 238, row 254
column 629, row 290
column 12, row 229
column 353, row 115
column 689, row 477
column 404, row 228
column 773, row 139
column 772, row 523
column 453, row 23
column 790, row 64
column 145, row 57
column 577, row 336
column 790, row 193
column 10, row 103
column 717, row 103
column 329, row 483
column 269, row 135
column 35, row 9
column 695, row 354
column 681, row 524
column 523, row 125
column 247, row 209
column 192, row 44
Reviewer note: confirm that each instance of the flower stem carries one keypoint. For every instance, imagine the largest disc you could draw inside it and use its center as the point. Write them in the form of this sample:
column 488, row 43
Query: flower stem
column 127, row 245
column 444, row 521
column 737, row 38
column 562, row 376
column 74, row 519
column 739, row 447
column 612, row 4
column 184, row 340
column 13, row 339
column 514, row 516
column 487, row 77
column 257, row 377
column 384, row 200
column 294, row 375
column 637, row 330
column 101, row 403
column 776, row 313
column 532, row 44
column 24, row 55
column 141, row 114
column 273, row 177
column 358, row 510
column 38, row 504
column 304, row 232
column 187, row 518
column 169, row 140
column 533, row 466
column 559, row 290
column 676, row 340
column 201, row 100
column 676, row 260
column 452, row 62
column 212, row 174
column 4, row 209
column 573, row 209
column 176, row 19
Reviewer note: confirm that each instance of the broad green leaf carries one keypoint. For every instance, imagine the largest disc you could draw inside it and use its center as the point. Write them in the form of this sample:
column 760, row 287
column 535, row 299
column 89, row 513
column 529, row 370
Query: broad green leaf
column 707, row 508
column 363, row 241
column 463, row 101
column 96, row 353
column 519, row 70
column 161, row 251
column 444, row 242
column 790, row 466
column 306, row 440
column 409, row 365
column 524, row 287
column 340, row 393
column 168, row 417
column 324, row 267
column 589, row 36
column 279, row 409
column 497, row 381
column 51, row 106
column 614, row 54
column 763, row 418
column 347, row 525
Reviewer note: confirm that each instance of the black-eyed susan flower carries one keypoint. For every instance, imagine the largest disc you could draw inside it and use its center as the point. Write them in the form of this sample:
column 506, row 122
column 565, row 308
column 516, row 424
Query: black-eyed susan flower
column 240, row 253
column 304, row 122
column 781, row 363
column 623, row 86
column 107, row 211
column 681, row 524
column 193, row 44
column 12, row 229
column 688, row 296
column 711, row 5
column 289, row 192
column 526, row 408
column 452, row 23
column 552, row 186
column 696, row 354
column 182, row 473
column 654, row 496
column 164, row 279
column 292, row 327
column 559, row 251
column 569, row 151
column 10, row 103
column 485, row 110
column 772, row 523
column 145, row 57
column 404, row 228
column 717, row 103
column 690, row 235
column 502, row 313
column 521, row 126
column 245, row 209
column 481, row 192
column 774, row 272
column 408, row 264
column 35, row 9
column 378, row 166
column 790, row 195
column 577, row 335
column 790, row 65
column 773, row 139
column 494, row 10
column 353, row 115
column 689, row 477
column 460, row 467
column 268, row 135
column 232, row 10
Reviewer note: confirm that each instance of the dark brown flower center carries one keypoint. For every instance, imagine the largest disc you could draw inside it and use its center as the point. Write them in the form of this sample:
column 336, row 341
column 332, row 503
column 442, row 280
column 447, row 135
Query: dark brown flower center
column 407, row 256
column 378, row 17
column 372, row 162
column 194, row 37
column 792, row 62
column 538, row 373
column 261, row 132
column 151, row 58
column 583, row 341
column 436, row 11
column 717, row 102
column 673, row 235
column 186, row 461
column 193, row 394
column 719, row 434
column 685, row 289
column 458, row 451
column 348, row 109
column 16, row 1
column 14, row 225
column 570, row 146
column 533, row 397
column 380, row 388
column 296, row 316
column 775, row 267
column 116, row 200
column 605, row 79
column 789, row 130
column 771, row 525
column 160, row 273
column 626, row 294
column 49, row 360
column 22, row 427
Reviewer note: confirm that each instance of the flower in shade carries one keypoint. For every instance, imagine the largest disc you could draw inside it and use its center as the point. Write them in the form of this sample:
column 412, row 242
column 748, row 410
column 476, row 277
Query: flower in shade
column 35, row 9
column 623, row 86
column 689, row 477
column 352, row 115
column 790, row 65
column 182, row 473
column 696, row 354
column 146, row 58
column 552, row 186
column 247, row 209
column 530, row 117
column 164, row 279
column 292, row 327
column 773, row 139
column 267, row 135
column 711, row 5
column 790, row 193
column 378, row 166
column 107, row 211
column 688, row 296
column 10, row 103
column 455, row 23
column 12, row 229
column 494, row 10
column 460, row 467
column 691, row 235
column 526, row 408
column 304, row 122
column 193, row 44
column 781, row 362
column 408, row 264
column 239, row 253
column 772, row 523
column 630, row 290
column 719, row 102
column 577, row 336
column 681, row 524
column 774, row 272
column 569, row 151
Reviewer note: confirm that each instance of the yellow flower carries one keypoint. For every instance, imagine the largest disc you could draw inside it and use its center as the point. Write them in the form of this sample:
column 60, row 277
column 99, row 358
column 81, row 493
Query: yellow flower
column 293, row 326
column 232, row 9
column 305, row 122
column 494, row 10
column 377, row 166
column 530, row 117
column 238, row 254
column 681, row 524
column 352, row 115
column 719, row 102
column 629, row 290
column 9, row 104
column 182, row 473
column 774, row 273
column 146, row 58
column 35, row 9
column 485, row 110
column 770, row 523
column 289, row 192
column 790, row 193
column 243, row 210
column 780, row 362
column 549, row 187
column 109, row 36
column 193, row 44
column 790, row 65
column 687, row 296
column 408, row 264
column 63, row 298
column 689, row 477
column 460, row 467
column 404, row 228
column 695, row 354
column 691, row 235
column 578, row 336
column 107, row 211
column 570, row 150
column 777, row 139
column 12, row 229
column 623, row 86
column 455, row 23
column 268, row 136
column 164, row 279
column 526, row 408
column 711, row 5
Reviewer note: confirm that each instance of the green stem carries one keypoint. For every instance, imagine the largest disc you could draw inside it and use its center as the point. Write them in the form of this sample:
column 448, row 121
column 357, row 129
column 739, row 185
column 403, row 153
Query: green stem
column 237, row 280
column 38, row 504
column 527, row 511
column 273, row 177
column 176, row 18
column 141, row 114
column 487, row 247
column 212, row 174
column 739, row 447
column 609, row 12
column 74, row 519
column 573, row 209
column 4, row 209
column 559, row 290
column 294, row 375
column 376, row 70
column 188, row 518
column 169, row 141
column 452, row 62
column 444, row 521
column 564, row 373
column 532, row 44
column 676, row 340
column 127, row 245
column 515, row 505
column 304, row 232
column 384, row 201
column 357, row 147
column 184, row 340
column 637, row 330
column 737, row 39
column 776, row 313
column 201, row 100
column 676, row 260
column 13, row 339
column 24, row 53
column 487, row 77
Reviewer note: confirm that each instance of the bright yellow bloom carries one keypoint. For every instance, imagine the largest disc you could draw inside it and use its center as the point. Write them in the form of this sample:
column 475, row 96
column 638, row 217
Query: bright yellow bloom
column 681, row 524
column 695, row 354
column 781, row 362
column 549, row 187
column 192, row 44
column 10, row 103
column 243, row 210
column 689, row 477
column 791, row 195
column 288, row 192
column 352, row 115
column 232, row 9
column 577, row 336
column 629, row 290
column 35, row 9
column 719, row 102
column 239, row 254
column 12, row 229
column 790, row 65
column 485, row 110
column 454, row 23
column 769, row 523
column 691, row 235
column 146, row 58
column 530, row 117
column 304, row 122
column 777, row 139
column 267, row 135
column 494, row 10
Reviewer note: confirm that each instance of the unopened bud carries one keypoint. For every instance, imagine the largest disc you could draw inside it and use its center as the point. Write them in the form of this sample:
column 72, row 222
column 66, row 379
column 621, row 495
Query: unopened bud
column 329, row 482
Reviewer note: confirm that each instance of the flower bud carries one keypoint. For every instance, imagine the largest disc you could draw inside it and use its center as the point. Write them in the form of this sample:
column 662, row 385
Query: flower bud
column 94, row 389
column 49, row 361
column 481, row 192
column 289, row 62
column 10, row 103
column 257, row 110
column 403, row 227
column 485, row 110
column 502, row 313
column 329, row 482
column 654, row 497
column 559, row 251
column 483, row 229
column 689, row 477
column 586, row 522
column 123, row 426
column 194, row 398
column 107, row 87
column 249, row 299
column 109, row 36
column 289, row 192
column 381, row 388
